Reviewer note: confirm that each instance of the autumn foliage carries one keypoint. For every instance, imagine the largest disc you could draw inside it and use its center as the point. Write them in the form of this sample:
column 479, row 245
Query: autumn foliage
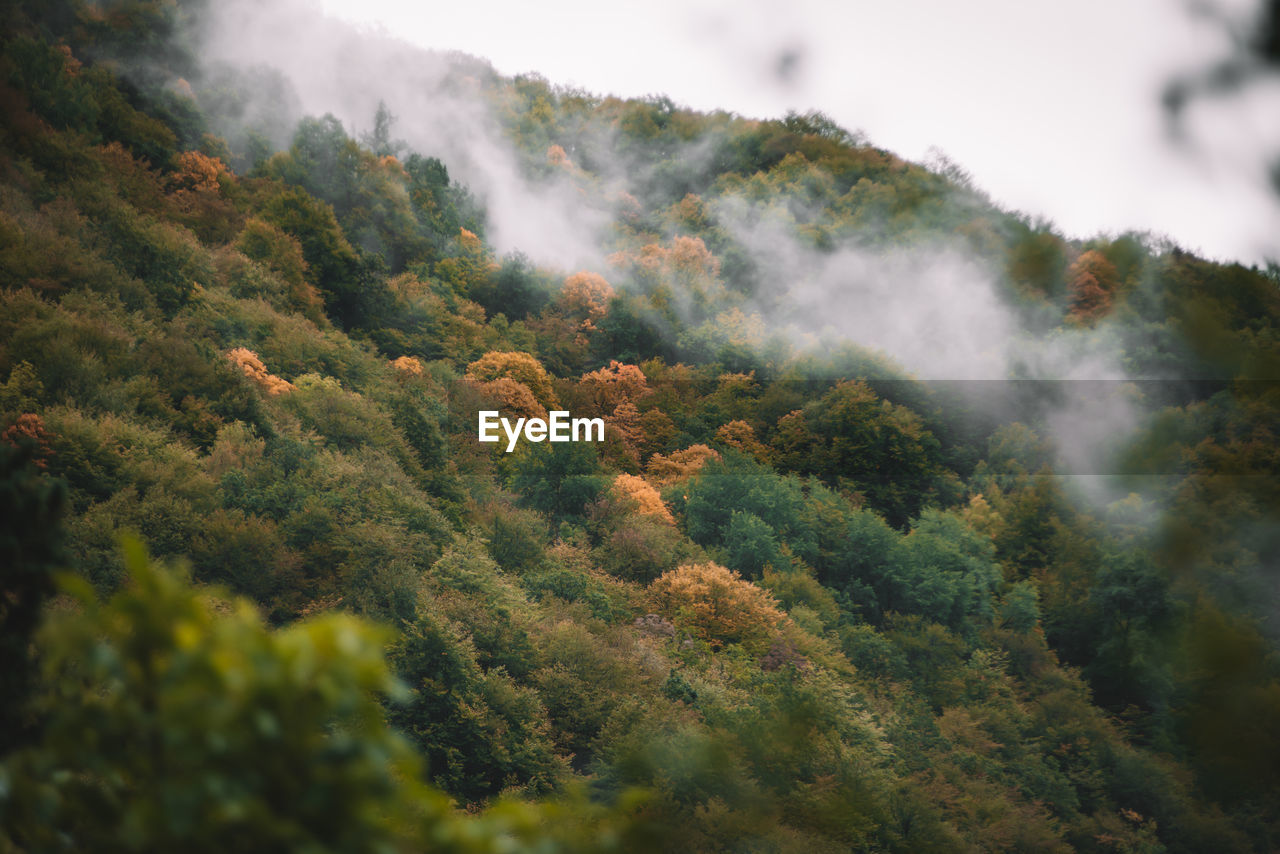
column 585, row 297
column 879, row 621
column 716, row 603
column 195, row 171
column 513, row 398
column 666, row 469
column 1092, row 281
column 648, row 501
column 407, row 366
column 741, row 436
column 688, row 257
column 610, row 387
column 517, row 369
column 556, row 156
column 249, row 363
column 30, row 429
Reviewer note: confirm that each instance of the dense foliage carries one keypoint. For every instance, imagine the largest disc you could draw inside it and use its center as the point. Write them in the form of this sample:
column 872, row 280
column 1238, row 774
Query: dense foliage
column 797, row 600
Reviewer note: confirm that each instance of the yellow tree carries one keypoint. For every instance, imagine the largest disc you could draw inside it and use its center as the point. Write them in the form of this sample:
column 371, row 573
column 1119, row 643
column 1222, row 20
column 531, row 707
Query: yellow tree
column 610, row 387
column 666, row 469
column 717, row 604
column 519, row 368
column 648, row 501
column 407, row 367
column 585, row 297
column 513, row 398
column 741, row 436
column 249, row 363
column 195, row 171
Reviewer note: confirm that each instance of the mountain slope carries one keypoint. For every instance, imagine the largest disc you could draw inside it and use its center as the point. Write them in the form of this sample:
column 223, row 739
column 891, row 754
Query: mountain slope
column 818, row 589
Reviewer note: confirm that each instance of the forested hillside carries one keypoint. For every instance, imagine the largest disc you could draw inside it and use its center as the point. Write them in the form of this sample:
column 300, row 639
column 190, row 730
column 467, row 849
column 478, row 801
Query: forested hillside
column 917, row 526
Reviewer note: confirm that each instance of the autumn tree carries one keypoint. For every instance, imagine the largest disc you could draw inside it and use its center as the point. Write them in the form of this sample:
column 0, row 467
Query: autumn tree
column 556, row 156
column 585, row 297
column 648, row 501
column 666, row 469
column 717, row 604
column 1091, row 281
column 611, row 386
column 193, row 171
column 249, row 363
column 741, row 436
column 406, row 368
column 506, row 374
column 683, row 279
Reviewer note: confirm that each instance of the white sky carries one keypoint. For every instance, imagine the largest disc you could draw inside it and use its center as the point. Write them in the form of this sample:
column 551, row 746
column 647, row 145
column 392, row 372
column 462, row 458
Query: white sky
column 1053, row 108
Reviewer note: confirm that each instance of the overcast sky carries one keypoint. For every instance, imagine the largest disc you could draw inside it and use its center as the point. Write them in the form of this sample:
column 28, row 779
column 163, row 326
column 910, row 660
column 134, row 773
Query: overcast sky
column 1053, row 108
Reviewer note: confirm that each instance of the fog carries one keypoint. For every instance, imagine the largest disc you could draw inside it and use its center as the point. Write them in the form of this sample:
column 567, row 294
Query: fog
column 1055, row 109
column 439, row 108
column 934, row 308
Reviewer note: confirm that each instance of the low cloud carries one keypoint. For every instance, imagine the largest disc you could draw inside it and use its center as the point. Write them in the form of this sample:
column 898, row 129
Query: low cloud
column 440, row 107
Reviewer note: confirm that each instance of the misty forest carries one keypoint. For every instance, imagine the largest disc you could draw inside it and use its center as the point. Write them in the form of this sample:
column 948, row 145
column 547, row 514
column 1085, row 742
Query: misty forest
column 917, row 524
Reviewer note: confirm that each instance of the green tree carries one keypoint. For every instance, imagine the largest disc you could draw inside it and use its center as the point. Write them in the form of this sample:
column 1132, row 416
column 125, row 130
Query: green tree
column 169, row 725
column 174, row 719
column 738, row 484
column 478, row 730
column 882, row 449
column 351, row 293
column 558, row 480
column 31, row 507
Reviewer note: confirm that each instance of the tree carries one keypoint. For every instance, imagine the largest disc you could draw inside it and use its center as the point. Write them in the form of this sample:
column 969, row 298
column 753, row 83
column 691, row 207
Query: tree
column 1092, row 281
column 751, row 545
column 585, row 297
column 171, row 726
column 717, row 604
column 945, row 571
column 31, row 509
column 1134, row 621
column 558, row 480
column 667, row 469
column 608, row 388
column 647, row 501
column 379, row 139
column 249, row 363
column 282, row 253
column 478, row 731
column 176, row 720
column 331, row 259
column 865, row 555
column 883, row 449
column 738, row 483
column 515, row 289
column 519, row 368
column 741, row 436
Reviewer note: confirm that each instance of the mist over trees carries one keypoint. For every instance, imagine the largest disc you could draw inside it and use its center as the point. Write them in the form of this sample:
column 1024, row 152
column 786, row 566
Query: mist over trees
column 917, row 525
